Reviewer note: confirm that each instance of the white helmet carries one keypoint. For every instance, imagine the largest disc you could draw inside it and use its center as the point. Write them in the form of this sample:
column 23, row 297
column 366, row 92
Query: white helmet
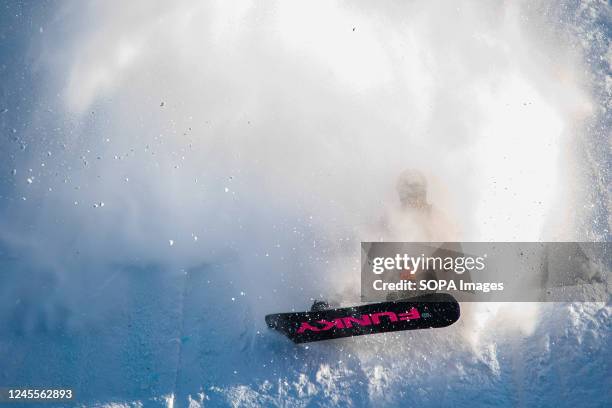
column 412, row 188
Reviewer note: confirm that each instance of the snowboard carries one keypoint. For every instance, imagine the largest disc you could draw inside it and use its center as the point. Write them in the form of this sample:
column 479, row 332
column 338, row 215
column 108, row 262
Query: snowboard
column 422, row 312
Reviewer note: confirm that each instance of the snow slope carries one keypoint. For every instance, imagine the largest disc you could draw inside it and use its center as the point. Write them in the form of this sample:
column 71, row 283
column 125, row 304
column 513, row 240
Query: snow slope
column 159, row 336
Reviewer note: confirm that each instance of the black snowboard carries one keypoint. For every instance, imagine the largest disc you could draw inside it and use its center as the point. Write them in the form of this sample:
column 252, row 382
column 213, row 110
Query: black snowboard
column 423, row 312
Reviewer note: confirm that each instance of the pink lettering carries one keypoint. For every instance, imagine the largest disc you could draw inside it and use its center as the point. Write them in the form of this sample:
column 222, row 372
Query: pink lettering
column 376, row 317
column 364, row 321
column 306, row 326
column 334, row 323
column 412, row 314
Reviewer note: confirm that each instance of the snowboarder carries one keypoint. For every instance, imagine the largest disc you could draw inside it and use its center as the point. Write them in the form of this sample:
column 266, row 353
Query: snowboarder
column 413, row 217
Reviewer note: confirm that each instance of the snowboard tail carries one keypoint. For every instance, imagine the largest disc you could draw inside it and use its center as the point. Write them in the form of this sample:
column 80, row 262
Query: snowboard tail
column 423, row 312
